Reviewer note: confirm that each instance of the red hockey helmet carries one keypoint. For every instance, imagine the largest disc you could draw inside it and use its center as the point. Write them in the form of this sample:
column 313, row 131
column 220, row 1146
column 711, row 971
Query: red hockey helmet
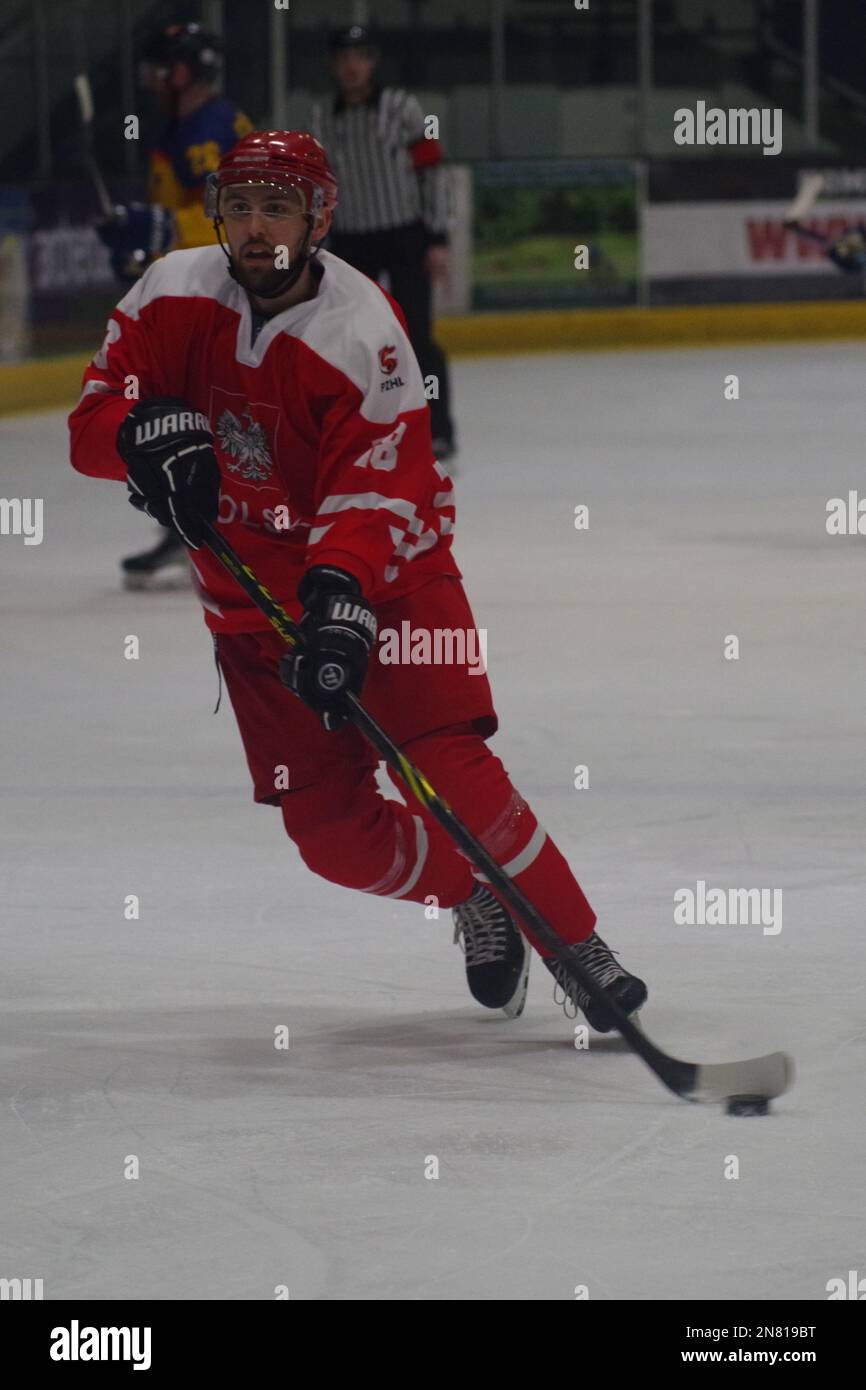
column 284, row 158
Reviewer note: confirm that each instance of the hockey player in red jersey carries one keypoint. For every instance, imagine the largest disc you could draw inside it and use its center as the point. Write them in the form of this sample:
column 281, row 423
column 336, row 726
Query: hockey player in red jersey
column 278, row 397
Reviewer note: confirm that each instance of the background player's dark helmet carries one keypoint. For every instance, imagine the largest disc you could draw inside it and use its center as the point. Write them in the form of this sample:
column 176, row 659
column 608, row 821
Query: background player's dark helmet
column 285, row 158
column 355, row 36
column 200, row 50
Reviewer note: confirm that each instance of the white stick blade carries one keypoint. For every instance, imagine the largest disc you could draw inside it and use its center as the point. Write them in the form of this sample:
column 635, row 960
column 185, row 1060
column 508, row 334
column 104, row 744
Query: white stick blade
column 85, row 97
column 759, row 1076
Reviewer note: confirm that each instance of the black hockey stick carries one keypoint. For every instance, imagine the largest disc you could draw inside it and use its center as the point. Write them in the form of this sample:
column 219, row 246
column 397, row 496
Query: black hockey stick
column 762, row 1077
column 853, row 265
column 809, row 233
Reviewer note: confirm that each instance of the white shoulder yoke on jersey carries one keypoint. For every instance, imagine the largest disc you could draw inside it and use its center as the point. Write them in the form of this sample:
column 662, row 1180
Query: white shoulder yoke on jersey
column 350, row 324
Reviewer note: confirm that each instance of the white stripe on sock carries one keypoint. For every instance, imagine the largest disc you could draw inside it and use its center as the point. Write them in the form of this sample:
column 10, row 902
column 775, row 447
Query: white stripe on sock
column 421, row 846
column 521, row 861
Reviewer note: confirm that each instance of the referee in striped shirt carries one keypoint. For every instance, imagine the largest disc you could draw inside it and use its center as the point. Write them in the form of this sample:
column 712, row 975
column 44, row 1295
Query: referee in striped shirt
column 393, row 210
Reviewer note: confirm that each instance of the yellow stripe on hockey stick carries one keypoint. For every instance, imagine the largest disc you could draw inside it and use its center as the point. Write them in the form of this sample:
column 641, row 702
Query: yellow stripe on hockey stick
column 273, row 611
column 279, row 618
column 418, row 784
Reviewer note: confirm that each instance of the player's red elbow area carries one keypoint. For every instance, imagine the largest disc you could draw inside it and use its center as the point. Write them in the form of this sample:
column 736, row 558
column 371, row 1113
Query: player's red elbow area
column 424, row 153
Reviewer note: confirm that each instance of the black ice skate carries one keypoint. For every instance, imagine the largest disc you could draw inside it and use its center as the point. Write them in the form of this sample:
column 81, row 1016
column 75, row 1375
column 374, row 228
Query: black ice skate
column 626, row 990
column 497, row 956
column 165, row 566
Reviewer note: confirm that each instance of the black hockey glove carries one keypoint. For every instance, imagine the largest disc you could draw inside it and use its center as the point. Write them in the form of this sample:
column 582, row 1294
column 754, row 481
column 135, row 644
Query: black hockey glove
column 136, row 235
column 171, row 469
column 338, row 630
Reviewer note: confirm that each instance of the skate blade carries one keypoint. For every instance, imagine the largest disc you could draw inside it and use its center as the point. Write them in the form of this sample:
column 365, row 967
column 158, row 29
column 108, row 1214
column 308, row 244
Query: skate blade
column 515, row 1006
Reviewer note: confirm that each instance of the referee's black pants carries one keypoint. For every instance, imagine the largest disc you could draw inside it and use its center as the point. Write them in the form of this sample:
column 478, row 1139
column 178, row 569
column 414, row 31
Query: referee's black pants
column 401, row 251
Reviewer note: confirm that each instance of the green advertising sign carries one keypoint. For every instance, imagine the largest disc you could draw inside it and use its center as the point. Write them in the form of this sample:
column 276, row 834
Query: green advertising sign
column 555, row 234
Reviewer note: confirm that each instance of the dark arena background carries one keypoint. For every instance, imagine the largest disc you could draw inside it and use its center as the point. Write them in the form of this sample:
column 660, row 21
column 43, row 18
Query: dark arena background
column 625, row 241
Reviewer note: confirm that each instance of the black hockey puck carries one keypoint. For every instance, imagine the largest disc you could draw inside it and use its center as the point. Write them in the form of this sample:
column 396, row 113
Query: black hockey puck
column 747, row 1105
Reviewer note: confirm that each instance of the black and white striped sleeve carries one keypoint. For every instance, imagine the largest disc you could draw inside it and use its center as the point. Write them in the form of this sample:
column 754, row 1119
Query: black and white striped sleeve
column 425, row 153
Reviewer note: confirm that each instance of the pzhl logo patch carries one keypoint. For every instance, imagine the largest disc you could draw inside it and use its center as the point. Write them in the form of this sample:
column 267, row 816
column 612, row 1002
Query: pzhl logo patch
column 388, row 358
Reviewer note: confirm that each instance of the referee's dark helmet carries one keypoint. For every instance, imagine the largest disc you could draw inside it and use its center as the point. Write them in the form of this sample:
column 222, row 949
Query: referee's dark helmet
column 355, row 36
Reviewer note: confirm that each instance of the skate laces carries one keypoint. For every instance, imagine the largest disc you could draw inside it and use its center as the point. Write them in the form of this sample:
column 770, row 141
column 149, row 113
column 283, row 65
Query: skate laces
column 483, row 924
column 594, row 955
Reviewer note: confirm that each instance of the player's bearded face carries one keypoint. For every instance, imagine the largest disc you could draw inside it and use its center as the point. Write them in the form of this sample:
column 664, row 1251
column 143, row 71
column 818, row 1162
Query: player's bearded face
column 265, row 228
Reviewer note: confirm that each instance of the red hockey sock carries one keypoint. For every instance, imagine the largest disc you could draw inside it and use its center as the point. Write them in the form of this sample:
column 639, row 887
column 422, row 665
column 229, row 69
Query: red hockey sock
column 349, row 833
column 466, row 774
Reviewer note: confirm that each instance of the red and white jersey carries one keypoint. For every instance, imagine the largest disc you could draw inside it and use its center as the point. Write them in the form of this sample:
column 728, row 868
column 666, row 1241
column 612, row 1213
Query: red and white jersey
column 320, row 423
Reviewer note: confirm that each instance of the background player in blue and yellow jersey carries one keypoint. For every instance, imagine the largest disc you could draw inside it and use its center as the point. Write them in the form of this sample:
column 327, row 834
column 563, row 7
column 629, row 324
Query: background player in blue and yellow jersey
column 180, row 68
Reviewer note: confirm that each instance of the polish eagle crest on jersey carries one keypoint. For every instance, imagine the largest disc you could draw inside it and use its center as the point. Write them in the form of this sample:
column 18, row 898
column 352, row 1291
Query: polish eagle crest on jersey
column 247, row 444
column 244, row 440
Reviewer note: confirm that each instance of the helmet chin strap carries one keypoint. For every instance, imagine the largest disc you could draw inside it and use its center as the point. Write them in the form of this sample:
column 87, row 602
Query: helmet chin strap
column 302, row 259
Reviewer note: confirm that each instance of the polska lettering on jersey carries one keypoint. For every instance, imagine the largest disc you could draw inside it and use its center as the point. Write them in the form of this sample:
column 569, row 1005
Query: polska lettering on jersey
column 76, row 1343
column 275, row 521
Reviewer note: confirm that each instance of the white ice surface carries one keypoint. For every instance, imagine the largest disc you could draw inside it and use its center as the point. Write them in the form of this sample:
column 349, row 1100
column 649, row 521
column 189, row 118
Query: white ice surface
column 557, row 1167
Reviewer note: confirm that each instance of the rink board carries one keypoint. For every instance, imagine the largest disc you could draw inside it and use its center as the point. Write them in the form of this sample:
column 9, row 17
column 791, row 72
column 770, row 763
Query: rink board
column 56, row 381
